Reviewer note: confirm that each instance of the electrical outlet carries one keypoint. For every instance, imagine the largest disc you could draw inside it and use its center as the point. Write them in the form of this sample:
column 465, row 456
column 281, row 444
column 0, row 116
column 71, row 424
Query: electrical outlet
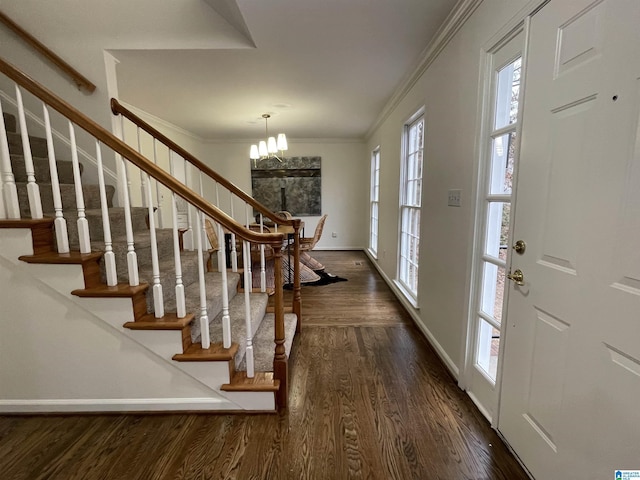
column 454, row 199
column 334, row 234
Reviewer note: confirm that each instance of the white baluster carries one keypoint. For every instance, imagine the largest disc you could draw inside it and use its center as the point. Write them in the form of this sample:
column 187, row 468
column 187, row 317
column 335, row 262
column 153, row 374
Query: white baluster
column 83, row 224
column 263, row 270
column 10, row 207
column 234, row 252
column 132, row 258
column 158, row 197
column 109, row 256
column 158, row 298
column 247, row 262
column 226, row 319
column 203, row 231
column 181, row 309
column 247, row 309
column 60, row 224
column 3, row 210
column 125, row 188
column 120, row 166
column 222, row 255
column 33, row 190
column 187, row 237
column 143, row 175
column 204, row 318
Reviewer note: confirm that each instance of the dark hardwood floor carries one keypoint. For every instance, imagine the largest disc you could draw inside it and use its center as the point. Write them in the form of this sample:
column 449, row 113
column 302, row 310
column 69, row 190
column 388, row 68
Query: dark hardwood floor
column 369, row 399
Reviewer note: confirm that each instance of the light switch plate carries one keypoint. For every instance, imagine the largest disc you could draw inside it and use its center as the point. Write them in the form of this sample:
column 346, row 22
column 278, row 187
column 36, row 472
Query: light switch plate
column 454, row 199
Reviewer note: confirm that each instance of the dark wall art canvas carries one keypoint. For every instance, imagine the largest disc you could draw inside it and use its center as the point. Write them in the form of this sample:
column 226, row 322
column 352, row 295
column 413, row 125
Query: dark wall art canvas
column 293, row 185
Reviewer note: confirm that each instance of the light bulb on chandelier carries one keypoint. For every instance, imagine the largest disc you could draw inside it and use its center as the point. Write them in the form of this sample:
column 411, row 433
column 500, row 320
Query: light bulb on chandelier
column 268, row 148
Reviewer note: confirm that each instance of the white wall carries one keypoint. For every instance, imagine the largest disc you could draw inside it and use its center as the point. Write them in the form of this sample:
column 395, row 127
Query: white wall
column 87, row 58
column 449, row 91
column 344, row 185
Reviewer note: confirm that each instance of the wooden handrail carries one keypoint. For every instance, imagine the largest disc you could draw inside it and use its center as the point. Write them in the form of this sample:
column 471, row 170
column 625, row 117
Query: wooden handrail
column 118, row 109
column 121, row 148
column 81, row 81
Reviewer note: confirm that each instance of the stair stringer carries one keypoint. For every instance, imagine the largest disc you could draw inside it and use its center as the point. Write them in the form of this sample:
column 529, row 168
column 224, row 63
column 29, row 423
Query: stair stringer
column 140, row 360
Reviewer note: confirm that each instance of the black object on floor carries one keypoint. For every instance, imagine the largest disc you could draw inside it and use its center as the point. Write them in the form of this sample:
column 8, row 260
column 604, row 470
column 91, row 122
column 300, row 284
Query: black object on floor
column 326, row 279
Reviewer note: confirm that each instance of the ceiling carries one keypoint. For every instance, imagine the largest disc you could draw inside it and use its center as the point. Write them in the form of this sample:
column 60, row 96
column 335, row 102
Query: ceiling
column 321, row 68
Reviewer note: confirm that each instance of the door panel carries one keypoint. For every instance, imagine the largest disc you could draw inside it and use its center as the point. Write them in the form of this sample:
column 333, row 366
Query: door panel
column 571, row 368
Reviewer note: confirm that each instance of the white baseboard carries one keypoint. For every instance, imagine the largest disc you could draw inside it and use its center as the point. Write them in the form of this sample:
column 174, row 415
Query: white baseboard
column 479, row 406
column 115, row 405
column 450, row 364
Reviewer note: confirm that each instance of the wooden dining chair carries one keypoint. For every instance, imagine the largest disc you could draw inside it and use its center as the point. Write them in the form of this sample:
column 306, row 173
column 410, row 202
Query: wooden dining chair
column 285, row 214
column 309, row 243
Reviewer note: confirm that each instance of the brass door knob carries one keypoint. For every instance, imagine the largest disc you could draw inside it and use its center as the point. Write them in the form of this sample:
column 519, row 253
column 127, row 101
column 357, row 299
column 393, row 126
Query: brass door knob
column 517, row 277
column 520, row 247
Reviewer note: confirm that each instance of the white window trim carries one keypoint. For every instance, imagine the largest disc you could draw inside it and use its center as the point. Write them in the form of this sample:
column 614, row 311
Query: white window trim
column 411, row 296
column 375, row 155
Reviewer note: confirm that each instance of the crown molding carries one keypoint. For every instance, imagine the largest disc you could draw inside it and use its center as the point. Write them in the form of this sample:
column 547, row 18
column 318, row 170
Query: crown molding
column 220, row 141
column 454, row 21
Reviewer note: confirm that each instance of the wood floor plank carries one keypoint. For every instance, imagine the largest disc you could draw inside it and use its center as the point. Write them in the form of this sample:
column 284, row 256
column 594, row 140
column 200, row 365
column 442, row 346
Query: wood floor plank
column 369, row 399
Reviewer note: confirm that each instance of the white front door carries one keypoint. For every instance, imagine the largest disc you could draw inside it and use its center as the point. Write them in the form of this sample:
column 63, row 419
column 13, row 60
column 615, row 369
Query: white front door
column 570, row 393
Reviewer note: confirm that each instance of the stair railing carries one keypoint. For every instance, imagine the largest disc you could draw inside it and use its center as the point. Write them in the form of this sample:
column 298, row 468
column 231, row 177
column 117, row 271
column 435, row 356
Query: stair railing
column 80, row 80
column 127, row 157
column 251, row 205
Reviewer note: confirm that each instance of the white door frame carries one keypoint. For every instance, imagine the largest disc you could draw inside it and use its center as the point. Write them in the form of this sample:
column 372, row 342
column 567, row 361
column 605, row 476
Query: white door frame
column 519, row 23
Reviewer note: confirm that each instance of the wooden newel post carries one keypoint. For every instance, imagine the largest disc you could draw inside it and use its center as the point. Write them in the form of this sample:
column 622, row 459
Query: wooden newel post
column 280, row 360
column 297, row 296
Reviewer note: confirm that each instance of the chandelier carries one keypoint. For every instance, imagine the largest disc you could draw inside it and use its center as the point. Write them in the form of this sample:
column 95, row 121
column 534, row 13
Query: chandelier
column 268, row 148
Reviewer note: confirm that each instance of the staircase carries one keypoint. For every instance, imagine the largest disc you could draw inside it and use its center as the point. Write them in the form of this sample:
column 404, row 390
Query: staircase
column 162, row 364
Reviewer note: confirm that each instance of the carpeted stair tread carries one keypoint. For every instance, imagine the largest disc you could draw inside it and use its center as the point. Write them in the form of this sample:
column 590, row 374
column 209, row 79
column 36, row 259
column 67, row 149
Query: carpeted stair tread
column 263, row 342
column 213, row 285
column 91, row 195
column 116, row 222
column 189, row 262
column 238, row 325
column 142, row 245
column 38, row 145
column 10, row 123
column 41, row 169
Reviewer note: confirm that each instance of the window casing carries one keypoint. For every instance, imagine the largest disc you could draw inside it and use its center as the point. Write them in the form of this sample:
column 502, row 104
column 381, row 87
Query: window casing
column 496, row 199
column 374, row 202
column 410, row 206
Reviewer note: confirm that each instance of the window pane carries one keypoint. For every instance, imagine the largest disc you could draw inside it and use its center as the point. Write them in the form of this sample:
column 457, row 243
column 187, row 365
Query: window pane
column 375, row 194
column 418, row 191
column 507, row 94
column 373, row 240
column 411, row 197
column 497, row 230
column 410, row 246
column 493, row 290
column 502, row 159
column 487, row 349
